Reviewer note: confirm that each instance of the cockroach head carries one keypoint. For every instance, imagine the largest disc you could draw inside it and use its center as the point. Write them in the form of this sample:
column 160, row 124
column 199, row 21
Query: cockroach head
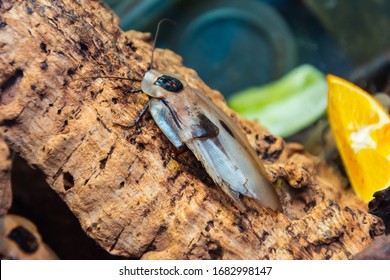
column 160, row 84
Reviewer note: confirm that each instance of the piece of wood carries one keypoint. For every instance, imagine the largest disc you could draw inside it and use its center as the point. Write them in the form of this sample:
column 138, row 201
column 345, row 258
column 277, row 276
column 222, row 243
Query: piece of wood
column 5, row 179
column 20, row 240
column 377, row 250
column 380, row 206
column 126, row 189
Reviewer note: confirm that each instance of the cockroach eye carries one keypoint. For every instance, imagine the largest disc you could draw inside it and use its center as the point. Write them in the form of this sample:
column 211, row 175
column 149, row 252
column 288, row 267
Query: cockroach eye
column 169, row 83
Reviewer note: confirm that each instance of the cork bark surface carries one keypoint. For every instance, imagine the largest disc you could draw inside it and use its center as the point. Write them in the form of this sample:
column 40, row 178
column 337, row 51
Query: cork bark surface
column 123, row 184
column 5, row 178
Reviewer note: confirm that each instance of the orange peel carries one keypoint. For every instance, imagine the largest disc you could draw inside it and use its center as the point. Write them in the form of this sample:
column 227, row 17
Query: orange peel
column 361, row 127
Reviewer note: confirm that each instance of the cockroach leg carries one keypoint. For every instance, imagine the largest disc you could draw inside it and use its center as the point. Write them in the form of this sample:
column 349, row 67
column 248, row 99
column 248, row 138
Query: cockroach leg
column 198, row 171
column 135, row 90
column 137, row 119
column 175, row 156
column 179, row 151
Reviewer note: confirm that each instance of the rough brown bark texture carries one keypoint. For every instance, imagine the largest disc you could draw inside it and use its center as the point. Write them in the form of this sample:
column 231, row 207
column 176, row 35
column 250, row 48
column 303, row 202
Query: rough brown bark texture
column 5, row 178
column 378, row 250
column 20, row 239
column 127, row 191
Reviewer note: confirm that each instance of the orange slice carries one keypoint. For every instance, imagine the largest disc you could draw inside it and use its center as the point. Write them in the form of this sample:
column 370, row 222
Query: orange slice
column 361, row 127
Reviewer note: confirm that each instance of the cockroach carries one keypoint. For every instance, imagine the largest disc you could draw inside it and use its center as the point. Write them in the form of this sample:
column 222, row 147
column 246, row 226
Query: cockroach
column 187, row 117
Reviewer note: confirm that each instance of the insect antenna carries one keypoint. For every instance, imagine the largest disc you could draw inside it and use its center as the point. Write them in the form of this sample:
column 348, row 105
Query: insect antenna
column 155, row 39
column 126, row 78
column 107, row 77
column 112, row 77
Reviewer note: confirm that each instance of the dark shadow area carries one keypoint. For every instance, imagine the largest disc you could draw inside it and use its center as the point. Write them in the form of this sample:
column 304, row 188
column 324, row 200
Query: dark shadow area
column 59, row 228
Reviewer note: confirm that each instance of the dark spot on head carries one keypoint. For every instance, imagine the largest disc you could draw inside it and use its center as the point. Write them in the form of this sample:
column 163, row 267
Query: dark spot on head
column 169, row 83
column 3, row 24
column 25, row 239
column 122, row 184
column 226, row 128
column 270, row 139
column 43, row 65
column 43, row 47
column 28, row 9
column 68, row 181
column 114, row 100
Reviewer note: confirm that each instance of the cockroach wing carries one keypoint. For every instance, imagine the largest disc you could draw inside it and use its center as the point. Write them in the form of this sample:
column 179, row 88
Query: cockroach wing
column 228, row 157
column 222, row 148
column 166, row 121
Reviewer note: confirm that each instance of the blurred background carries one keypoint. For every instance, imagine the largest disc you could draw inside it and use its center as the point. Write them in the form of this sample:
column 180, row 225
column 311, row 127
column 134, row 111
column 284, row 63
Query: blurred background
column 237, row 44
column 252, row 50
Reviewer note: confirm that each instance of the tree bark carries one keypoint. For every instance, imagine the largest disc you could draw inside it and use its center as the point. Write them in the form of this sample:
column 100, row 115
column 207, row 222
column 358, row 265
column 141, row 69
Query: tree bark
column 129, row 194
column 377, row 250
column 5, row 179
